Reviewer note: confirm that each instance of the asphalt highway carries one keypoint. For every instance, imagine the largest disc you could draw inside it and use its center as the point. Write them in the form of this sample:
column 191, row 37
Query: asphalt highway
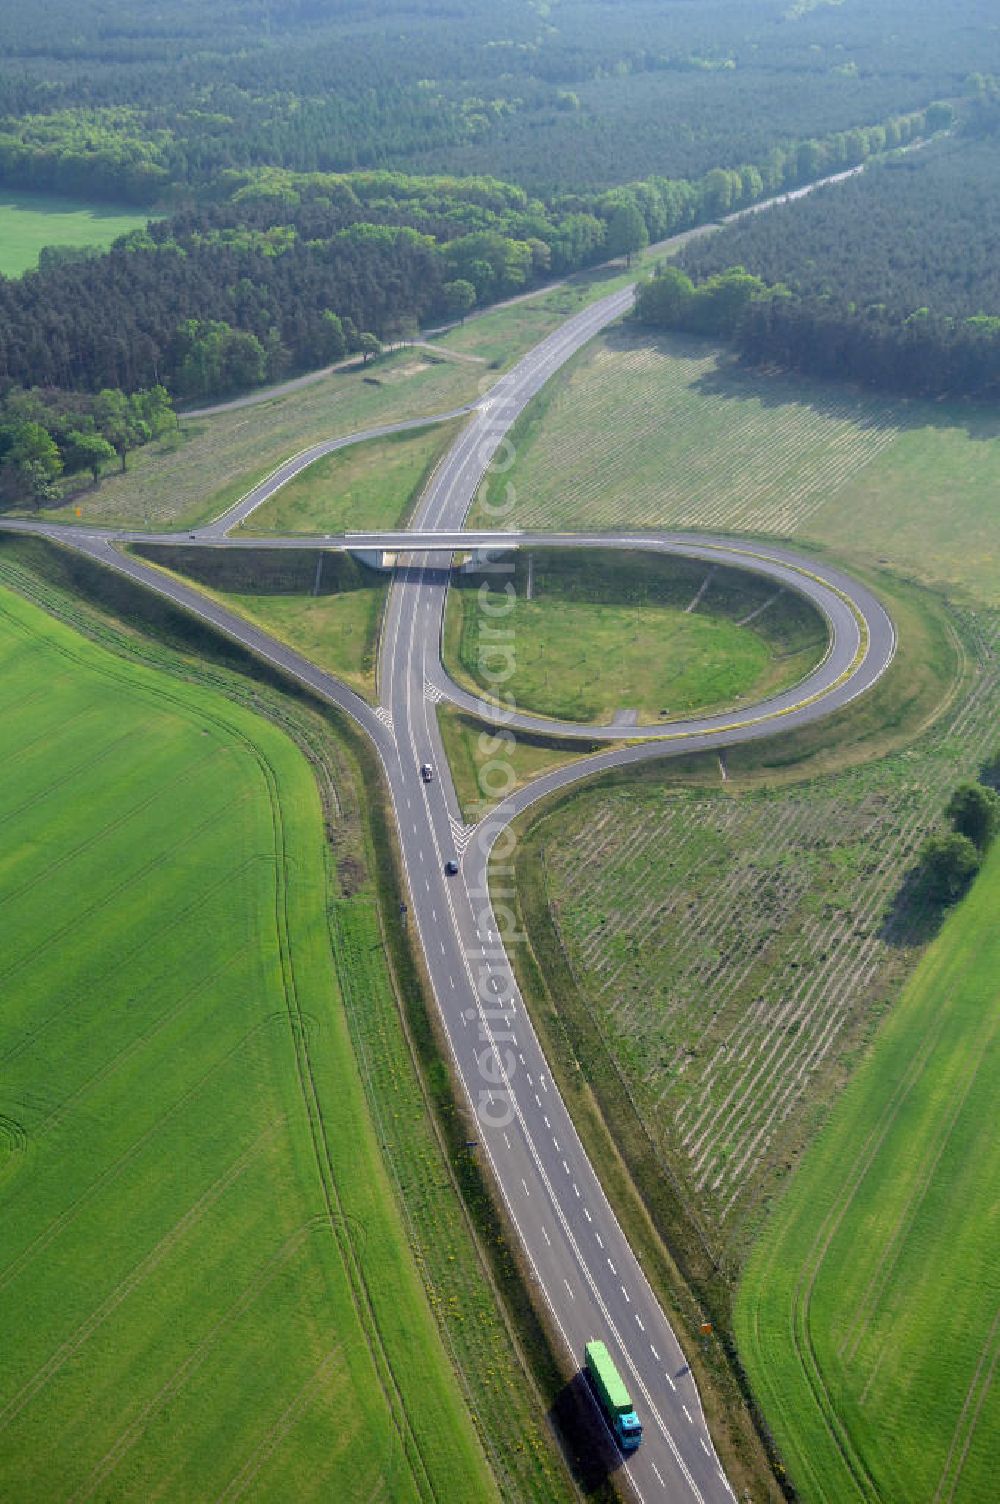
column 583, row 1269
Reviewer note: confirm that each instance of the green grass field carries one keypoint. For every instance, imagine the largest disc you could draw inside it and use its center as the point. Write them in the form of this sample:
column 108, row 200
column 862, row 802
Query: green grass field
column 31, row 221
column 371, row 485
column 324, row 605
column 205, row 1286
column 869, row 1314
column 646, row 430
column 622, row 631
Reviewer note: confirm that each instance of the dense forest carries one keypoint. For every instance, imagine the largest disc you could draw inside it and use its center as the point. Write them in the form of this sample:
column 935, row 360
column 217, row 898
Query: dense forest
column 148, row 105
column 921, row 231
column 890, row 278
column 294, row 269
column 924, row 355
column 290, row 149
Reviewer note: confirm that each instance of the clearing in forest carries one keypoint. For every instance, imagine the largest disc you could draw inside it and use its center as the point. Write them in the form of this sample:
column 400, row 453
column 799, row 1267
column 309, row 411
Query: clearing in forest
column 651, row 430
column 31, row 221
column 205, row 1285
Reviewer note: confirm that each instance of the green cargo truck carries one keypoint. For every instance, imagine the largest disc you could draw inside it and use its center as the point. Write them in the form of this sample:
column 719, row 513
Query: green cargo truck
column 614, row 1397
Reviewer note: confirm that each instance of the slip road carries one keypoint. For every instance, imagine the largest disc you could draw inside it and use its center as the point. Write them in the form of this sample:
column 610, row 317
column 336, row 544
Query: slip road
column 581, row 1264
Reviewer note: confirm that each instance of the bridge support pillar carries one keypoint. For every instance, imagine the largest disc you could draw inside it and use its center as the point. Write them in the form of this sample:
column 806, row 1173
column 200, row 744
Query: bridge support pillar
column 382, row 559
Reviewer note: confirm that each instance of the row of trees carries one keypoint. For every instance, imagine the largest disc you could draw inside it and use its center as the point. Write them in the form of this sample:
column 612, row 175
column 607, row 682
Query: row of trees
column 948, row 862
column 45, row 434
column 923, row 355
column 293, row 269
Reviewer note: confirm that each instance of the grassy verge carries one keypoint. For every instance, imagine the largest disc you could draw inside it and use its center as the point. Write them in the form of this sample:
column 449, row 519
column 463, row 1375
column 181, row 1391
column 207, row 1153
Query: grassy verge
column 499, row 336
column 501, row 1353
column 324, row 605
column 371, row 485
column 470, row 745
column 587, row 635
column 184, row 1233
column 867, row 1312
column 214, row 461
column 694, row 440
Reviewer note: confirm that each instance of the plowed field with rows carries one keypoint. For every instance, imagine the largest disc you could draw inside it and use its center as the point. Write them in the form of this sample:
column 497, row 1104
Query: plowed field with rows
column 660, row 430
column 735, row 948
column 654, row 430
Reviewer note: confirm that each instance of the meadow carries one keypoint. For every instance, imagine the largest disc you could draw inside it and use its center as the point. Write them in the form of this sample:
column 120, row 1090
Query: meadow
column 324, row 605
column 867, row 1314
column 664, row 430
column 31, row 221
column 201, row 1291
column 593, row 636
column 657, row 430
column 365, row 486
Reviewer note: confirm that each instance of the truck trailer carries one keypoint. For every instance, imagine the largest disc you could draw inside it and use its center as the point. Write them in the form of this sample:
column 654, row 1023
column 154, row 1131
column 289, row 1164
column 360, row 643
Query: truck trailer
column 614, row 1397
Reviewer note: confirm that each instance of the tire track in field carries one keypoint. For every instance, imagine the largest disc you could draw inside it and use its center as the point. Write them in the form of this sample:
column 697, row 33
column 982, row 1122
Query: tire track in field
column 112, row 1172
column 177, row 1381
column 799, row 1314
column 90, row 761
column 984, row 1383
column 122, row 818
column 122, row 957
column 338, row 1221
column 130, row 881
column 138, row 1275
column 276, row 1434
column 863, row 1314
